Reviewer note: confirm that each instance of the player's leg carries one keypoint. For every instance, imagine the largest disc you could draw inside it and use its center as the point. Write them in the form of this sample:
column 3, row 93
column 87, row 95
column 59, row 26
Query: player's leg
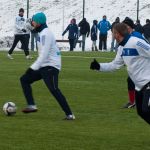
column 50, row 77
column 71, row 42
column 143, row 103
column 105, row 41
column 26, row 80
column 25, row 42
column 16, row 40
column 131, row 94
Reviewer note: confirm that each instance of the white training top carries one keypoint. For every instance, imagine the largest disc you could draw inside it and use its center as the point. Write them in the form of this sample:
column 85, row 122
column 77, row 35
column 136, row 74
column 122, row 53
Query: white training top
column 135, row 54
column 19, row 25
column 49, row 54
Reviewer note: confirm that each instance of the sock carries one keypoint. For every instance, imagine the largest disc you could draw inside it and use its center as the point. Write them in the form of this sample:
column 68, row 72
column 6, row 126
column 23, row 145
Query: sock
column 131, row 95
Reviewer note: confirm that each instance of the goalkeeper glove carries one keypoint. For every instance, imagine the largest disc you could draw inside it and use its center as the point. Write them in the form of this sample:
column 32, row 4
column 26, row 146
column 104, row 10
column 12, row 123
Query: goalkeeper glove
column 95, row 65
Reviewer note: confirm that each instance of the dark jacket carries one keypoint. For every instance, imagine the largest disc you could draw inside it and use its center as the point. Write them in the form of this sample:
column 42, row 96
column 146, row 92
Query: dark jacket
column 115, row 22
column 94, row 32
column 146, row 30
column 73, row 31
column 84, row 27
column 138, row 27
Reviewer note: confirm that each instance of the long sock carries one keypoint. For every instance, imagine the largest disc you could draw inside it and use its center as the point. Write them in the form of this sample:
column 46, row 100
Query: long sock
column 131, row 95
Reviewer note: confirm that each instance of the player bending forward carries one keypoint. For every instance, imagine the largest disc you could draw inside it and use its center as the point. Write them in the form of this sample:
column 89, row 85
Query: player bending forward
column 135, row 54
column 46, row 67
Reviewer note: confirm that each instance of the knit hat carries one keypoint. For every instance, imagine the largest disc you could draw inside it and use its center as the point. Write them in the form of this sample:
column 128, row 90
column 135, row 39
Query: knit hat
column 39, row 18
column 128, row 21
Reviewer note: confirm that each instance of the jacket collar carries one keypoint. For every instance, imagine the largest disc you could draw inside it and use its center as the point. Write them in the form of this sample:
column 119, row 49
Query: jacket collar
column 125, row 40
column 41, row 27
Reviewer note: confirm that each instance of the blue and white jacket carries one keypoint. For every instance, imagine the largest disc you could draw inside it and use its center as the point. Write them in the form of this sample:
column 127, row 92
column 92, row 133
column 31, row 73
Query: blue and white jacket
column 133, row 52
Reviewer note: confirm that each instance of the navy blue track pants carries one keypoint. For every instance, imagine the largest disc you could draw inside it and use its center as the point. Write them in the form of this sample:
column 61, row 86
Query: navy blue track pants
column 50, row 77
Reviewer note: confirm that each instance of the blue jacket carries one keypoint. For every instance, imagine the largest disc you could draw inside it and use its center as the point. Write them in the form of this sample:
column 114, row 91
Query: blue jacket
column 104, row 26
column 73, row 31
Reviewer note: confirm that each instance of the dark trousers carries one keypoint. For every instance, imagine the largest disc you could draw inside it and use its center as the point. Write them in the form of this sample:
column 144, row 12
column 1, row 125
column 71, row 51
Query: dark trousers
column 143, row 103
column 131, row 85
column 23, row 41
column 50, row 77
column 26, row 44
column 102, row 41
column 71, row 42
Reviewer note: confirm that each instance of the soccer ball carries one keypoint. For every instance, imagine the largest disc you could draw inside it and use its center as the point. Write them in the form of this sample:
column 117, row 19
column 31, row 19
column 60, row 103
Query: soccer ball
column 9, row 108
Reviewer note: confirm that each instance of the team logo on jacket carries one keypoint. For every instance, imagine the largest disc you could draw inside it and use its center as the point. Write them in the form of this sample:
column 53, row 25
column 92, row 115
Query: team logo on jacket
column 129, row 52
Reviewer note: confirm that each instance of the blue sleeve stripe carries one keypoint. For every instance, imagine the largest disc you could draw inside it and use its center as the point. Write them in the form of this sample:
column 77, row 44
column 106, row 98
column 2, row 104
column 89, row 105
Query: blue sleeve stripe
column 146, row 47
column 129, row 52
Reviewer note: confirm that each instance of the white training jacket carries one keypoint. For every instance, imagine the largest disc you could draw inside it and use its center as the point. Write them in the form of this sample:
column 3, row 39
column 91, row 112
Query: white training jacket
column 49, row 54
column 19, row 25
column 135, row 54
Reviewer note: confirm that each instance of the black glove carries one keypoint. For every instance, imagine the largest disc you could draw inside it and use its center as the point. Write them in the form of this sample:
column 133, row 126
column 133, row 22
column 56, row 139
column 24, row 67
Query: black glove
column 24, row 30
column 29, row 70
column 95, row 65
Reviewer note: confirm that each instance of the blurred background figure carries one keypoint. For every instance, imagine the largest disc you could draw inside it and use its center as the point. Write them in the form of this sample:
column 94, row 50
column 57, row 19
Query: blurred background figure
column 84, row 31
column 138, row 27
column 34, row 36
column 72, row 28
column 103, row 27
column 114, row 44
column 94, row 35
column 146, row 30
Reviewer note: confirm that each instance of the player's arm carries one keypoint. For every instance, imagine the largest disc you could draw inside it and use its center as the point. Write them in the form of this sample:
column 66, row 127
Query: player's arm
column 117, row 63
column 143, row 48
column 66, row 30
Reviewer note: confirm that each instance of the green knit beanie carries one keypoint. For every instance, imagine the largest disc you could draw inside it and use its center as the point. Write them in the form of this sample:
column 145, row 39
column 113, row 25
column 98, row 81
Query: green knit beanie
column 39, row 18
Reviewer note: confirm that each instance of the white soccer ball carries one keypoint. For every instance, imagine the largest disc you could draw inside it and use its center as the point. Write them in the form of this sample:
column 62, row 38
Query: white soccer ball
column 9, row 108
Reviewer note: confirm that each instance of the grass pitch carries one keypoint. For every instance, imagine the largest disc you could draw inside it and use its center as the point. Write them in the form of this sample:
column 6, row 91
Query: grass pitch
column 95, row 98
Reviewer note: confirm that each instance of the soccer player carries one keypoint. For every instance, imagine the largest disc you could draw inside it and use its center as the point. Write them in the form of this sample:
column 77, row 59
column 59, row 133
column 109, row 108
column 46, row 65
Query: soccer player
column 131, row 87
column 46, row 67
column 133, row 52
column 20, row 35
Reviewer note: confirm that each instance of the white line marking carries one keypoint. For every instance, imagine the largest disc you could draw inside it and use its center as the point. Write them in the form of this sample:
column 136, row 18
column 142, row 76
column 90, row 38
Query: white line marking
column 86, row 57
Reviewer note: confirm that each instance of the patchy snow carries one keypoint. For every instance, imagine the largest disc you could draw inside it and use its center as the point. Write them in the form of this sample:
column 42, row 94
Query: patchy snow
column 56, row 10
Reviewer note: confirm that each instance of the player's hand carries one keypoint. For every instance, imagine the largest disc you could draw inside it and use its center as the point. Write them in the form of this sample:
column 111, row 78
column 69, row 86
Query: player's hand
column 95, row 65
column 24, row 30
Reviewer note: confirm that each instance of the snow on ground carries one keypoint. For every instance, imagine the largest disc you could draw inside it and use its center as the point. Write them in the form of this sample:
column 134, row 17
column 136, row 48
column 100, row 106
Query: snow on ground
column 60, row 12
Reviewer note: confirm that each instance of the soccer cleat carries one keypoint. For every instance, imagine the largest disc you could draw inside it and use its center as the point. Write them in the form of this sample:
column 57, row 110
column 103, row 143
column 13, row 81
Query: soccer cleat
column 29, row 57
column 129, row 105
column 9, row 56
column 29, row 110
column 69, row 117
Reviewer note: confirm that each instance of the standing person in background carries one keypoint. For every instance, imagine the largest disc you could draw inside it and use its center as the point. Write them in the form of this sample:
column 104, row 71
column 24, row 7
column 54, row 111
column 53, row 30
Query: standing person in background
column 46, row 67
column 34, row 36
column 138, row 27
column 28, row 28
column 19, row 35
column 114, row 44
column 73, row 33
column 146, row 30
column 94, row 35
column 84, row 31
column 103, row 27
